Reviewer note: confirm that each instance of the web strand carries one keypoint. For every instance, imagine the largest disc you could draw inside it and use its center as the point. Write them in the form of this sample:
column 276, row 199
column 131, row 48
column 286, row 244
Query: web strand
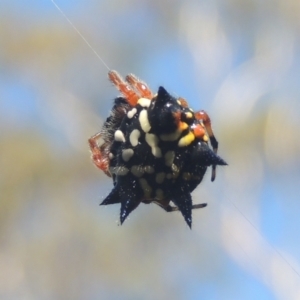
column 79, row 33
column 268, row 243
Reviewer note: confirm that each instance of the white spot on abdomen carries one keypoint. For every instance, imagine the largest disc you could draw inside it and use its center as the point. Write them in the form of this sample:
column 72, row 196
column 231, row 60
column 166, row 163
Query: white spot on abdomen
column 144, row 102
column 119, row 136
column 149, row 169
column 127, row 154
column 159, row 193
column 156, row 152
column 119, row 171
column 152, row 141
column 131, row 113
column 145, row 187
column 144, row 121
column 134, row 137
column 169, row 158
column 137, row 171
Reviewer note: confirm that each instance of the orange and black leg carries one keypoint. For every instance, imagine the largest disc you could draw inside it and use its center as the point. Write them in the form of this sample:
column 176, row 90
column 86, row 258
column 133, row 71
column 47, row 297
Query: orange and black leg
column 140, row 86
column 99, row 156
column 126, row 90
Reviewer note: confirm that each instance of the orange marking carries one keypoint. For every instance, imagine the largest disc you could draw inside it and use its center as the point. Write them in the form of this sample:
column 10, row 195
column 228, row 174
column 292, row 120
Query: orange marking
column 202, row 115
column 198, row 131
column 182, row 126
column 177, row 116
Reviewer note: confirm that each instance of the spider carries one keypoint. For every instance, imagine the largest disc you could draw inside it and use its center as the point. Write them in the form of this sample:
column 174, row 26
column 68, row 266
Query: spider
column 155, row 148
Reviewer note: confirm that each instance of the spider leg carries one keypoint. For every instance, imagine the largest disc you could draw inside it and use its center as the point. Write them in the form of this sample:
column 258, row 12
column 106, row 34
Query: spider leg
column 140, row 86
column 204, row 117
column 99, row 157
column 200, row 205
column 183, row 102
column 170, row 208
column 126, row 90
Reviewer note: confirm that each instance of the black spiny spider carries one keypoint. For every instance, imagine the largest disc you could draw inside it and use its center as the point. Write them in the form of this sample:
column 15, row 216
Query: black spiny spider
column 155, row 148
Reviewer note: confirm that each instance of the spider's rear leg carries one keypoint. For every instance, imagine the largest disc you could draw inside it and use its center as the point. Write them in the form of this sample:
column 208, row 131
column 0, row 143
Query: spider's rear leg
column 200, row 205
column 204, row 117
column 140, row 86
column 99, row 154
column 170, row 208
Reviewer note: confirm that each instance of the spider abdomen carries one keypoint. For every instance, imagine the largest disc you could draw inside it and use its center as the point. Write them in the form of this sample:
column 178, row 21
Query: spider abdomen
column 157, row 149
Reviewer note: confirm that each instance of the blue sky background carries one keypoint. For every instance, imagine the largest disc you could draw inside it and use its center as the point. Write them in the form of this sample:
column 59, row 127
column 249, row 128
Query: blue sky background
column 238, row 60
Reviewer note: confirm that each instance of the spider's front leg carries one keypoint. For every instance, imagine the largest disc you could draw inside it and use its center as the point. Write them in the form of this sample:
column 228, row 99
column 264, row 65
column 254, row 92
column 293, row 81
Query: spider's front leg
column 124, row 87
column 99, row 156
column 139, row 86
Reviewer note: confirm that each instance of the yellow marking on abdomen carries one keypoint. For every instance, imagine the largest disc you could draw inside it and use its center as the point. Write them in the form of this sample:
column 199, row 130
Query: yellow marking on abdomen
column 186, row 140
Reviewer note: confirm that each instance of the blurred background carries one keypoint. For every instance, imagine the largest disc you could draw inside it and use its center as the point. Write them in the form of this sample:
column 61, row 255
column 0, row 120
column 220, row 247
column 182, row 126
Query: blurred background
column 238, row 60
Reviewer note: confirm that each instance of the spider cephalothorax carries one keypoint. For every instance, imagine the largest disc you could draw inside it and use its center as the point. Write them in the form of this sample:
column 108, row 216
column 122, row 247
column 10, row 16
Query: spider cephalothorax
column 155, row 148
